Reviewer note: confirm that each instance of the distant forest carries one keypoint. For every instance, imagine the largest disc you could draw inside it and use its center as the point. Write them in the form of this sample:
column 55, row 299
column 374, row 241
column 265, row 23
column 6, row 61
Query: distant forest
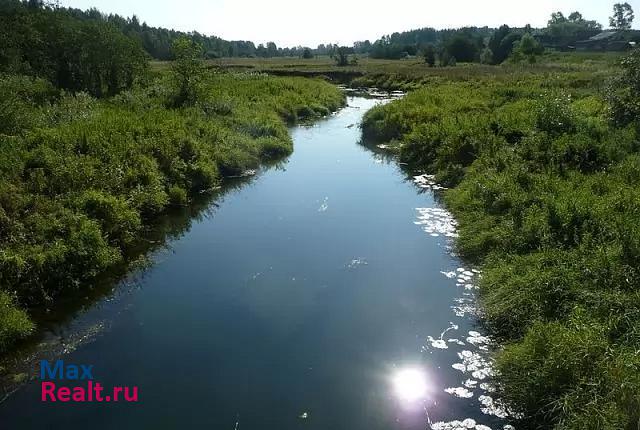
column 464, row 44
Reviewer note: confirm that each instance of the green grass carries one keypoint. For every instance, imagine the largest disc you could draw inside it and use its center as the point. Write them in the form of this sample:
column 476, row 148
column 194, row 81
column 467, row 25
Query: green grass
column 545, row 189
column 80, row 178
column 412, row 73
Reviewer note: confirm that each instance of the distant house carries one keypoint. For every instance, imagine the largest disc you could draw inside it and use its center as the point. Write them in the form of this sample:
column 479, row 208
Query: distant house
column 605, row 41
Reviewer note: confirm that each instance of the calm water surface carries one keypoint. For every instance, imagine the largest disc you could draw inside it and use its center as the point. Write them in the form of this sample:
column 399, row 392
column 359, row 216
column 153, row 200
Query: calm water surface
column 311, row 298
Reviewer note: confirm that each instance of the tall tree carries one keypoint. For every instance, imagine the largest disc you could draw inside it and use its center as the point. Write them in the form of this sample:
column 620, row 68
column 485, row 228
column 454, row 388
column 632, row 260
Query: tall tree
column 501, row 43
column 557, row 18
column 622, row 16
column 430, row 55
column 342, row 56
column 576, row 17
column 188, row 70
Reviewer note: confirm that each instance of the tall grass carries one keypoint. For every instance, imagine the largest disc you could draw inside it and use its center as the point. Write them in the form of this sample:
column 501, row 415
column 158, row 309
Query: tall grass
column 545, row 188
column 80, row 178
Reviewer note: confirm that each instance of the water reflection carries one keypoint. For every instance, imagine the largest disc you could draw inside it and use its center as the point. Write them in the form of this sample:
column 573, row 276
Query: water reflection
column 410, row 385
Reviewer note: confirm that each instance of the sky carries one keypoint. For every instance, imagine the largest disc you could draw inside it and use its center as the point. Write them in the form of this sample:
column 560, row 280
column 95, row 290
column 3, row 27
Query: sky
column 309, row 23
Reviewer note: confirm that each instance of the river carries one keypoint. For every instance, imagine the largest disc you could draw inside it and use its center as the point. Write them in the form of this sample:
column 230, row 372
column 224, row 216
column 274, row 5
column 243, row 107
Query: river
column 320, row 294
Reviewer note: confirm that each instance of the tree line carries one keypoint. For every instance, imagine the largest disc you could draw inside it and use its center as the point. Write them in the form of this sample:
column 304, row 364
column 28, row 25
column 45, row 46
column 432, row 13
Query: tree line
column 493, row 46
column 72, row 54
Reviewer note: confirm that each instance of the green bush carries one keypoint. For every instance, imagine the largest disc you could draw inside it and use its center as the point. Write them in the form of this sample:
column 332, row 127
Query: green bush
column 14, row 323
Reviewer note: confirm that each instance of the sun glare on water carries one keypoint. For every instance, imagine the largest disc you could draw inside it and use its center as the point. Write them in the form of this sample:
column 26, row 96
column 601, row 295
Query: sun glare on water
column 410, row 384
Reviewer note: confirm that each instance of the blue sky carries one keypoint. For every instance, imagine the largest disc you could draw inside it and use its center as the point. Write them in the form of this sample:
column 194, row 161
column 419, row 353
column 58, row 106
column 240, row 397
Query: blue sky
column 293, row 22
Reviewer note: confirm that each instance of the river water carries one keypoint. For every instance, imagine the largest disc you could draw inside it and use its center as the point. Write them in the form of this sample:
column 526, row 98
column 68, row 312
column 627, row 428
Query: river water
column 321, row 294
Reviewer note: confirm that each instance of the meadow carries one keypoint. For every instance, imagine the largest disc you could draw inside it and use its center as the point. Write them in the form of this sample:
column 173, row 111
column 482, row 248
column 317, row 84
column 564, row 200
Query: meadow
column 81, row 178
column 412, row 73
column 542, row 168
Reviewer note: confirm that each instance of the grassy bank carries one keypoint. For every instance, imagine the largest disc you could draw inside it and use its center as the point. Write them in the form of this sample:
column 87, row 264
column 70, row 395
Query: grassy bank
column 545, row 186
column 80, row 177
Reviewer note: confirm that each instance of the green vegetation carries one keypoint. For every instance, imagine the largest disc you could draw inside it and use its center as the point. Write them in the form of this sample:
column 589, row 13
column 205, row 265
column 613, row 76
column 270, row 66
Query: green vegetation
column 622, row 16
column 543, row 167
column 542, row 161
column 75, row 55
column 84, row 171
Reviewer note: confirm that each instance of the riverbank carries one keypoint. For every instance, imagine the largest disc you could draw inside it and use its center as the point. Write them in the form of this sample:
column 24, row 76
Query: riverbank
column 81, row 177
column 544, row 186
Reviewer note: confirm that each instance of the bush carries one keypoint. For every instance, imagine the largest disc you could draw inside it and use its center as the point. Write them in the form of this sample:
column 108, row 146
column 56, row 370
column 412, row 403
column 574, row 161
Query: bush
column 177, row 196
column 554, row 115
column 14, row 323
column 624, row 91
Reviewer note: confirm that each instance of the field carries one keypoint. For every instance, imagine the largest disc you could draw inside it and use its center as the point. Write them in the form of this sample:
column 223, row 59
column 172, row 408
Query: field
column 412, row 73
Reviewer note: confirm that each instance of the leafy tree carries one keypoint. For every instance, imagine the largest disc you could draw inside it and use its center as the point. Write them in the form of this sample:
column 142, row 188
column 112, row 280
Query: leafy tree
column 527, row 48
column 342, row 56
column 557, row 18
column 445, row 58
column 307, row 54
column 563, row 32
column 272, row 49
column 429, row 54
column 73, row 54
column 188, row 70
column 501, row 43
column 622, row 16
column 575, row 17
column 624, row 92
column 362, row 47
column 486, row 56
column 462, row 47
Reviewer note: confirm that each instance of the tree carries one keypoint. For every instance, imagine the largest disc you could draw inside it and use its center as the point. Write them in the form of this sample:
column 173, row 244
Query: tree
column 445, row 58
column 563, row 32
column 486, row 56
column 188, row 70
column 624, row 93
column 557, row 18
column 342, row 56
column 272, row 50
column 576, row 17
column 501, row 43
column 429, row 54
column 622, row 16
column 527, row 48
column 307, row 54
column 462, row 47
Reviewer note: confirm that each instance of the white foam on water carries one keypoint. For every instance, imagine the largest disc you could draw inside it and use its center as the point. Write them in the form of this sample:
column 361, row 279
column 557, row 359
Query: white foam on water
column 325, row 205
column 356, row 262
column 466, row 424
column 490, row 407
column 437, row 343
column 470, row 383
column 460, row 392
column 476, row 365
column 436, row 221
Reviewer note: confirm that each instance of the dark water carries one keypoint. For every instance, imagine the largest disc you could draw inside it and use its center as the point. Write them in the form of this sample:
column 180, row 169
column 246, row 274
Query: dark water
column 296, row 304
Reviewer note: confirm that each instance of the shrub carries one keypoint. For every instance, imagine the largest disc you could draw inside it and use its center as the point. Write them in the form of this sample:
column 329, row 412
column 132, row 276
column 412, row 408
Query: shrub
column 177, row 196
column 14, row 323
